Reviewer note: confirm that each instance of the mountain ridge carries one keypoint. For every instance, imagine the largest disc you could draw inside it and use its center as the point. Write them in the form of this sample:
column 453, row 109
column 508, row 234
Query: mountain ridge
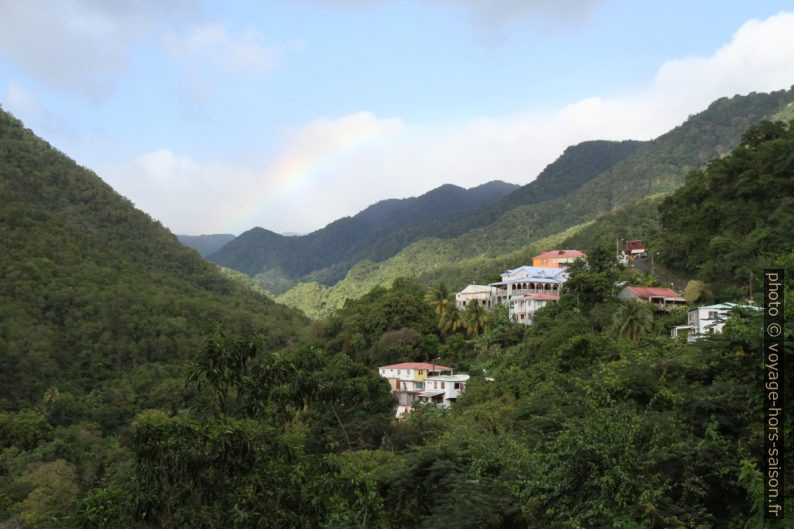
column 345, row 241
column 655, row 167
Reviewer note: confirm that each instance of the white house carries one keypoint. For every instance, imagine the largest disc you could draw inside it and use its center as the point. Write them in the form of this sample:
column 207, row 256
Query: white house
column 443, row 390
column 482, row 294
column 523, row 308
column 527, row 288
column 706, row 320
column 525, row 280
column 407, row 381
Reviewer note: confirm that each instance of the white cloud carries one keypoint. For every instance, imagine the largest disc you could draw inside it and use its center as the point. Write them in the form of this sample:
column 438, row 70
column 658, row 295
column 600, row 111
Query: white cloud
column 290, row 192
column 494, row 14
column 332, row 168
column 499, row 12
column 243, row 50
column 81, row 46
column 26, row 106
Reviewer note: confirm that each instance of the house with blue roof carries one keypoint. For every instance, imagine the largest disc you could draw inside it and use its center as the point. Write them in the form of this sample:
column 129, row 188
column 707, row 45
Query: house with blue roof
column 527, row 288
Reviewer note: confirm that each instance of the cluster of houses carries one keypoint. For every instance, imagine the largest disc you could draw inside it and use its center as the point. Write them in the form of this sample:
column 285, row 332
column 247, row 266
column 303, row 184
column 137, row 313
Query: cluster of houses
column 524, row 290
column 527, row 288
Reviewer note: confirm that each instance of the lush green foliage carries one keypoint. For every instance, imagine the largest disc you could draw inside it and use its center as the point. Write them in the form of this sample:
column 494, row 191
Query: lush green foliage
column 727, row 220
column 120, row 411
column 91, row 286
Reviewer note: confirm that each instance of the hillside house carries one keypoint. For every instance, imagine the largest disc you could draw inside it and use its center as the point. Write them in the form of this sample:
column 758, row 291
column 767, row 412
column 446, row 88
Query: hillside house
column 557, row 258
column 633, row 249
column 443, row 390
column 664, row 299
column 407, row 381
column 525, row 289
column 706, row 320
column 482, row 294
column 523, row 308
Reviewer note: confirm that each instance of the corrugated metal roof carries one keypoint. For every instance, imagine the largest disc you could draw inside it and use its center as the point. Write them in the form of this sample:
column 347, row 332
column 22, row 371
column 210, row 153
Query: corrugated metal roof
column 560, row 253
column 654, row 292
column 417, row 365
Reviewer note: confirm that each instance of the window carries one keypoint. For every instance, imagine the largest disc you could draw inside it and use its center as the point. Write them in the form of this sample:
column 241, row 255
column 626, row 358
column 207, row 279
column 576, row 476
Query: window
column 442, row 385
column 419, row 385
column 713, row 314
column 457, row 385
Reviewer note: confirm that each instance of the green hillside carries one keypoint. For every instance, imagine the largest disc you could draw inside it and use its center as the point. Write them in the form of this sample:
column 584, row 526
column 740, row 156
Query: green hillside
column 655, row 167
column 91, row 287
column 119, row 411
column 733, row 217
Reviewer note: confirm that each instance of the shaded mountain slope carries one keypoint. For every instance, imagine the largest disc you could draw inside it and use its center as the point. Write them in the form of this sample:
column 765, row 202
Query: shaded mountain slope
column 91, row 286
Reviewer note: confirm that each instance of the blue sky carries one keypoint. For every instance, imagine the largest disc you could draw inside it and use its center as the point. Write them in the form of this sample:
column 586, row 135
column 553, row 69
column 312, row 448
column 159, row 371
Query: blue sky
column 216, row 117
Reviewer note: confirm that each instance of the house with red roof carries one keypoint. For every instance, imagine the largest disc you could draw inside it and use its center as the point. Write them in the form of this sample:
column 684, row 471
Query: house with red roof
column 523, row 307
column 660, row 297
column 557, row 258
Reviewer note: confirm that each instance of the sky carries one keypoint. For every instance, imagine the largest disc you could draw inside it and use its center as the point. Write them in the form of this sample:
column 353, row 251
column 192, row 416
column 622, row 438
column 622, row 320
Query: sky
column 215, row 117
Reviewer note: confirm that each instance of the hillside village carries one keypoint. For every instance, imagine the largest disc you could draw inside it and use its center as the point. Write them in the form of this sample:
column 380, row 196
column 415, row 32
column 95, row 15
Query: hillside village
column 526, row 289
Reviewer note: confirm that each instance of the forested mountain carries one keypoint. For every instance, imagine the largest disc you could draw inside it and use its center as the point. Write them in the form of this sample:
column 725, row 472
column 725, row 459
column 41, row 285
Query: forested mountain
column 91, row 286
column 577, row 165
column 118, row 409
column 374, row 233
column 654, row 167
column 206, row 244
column 733, row 217
column 385, row 228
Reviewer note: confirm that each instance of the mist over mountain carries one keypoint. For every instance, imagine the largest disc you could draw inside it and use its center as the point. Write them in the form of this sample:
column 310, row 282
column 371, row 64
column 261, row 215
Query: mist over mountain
column 206, row 244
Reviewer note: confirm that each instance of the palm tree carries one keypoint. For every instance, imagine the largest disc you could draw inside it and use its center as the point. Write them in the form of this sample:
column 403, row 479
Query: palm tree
column 475, row 318
column 440, row 299
column 633, row 320
column 452, row 320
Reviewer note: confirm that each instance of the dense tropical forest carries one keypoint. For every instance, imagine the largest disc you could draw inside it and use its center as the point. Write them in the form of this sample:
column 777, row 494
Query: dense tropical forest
column 142, row 387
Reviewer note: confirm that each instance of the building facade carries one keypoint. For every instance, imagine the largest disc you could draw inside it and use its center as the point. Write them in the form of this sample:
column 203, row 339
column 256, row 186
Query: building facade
column 407, row 381
column 527, row 288
column 443, row 390
column 706, row 320
column 481, row 294
column 557, row 258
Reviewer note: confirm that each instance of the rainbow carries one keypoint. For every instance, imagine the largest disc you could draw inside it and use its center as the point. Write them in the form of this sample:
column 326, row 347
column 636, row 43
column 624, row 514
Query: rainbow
column 293, row 173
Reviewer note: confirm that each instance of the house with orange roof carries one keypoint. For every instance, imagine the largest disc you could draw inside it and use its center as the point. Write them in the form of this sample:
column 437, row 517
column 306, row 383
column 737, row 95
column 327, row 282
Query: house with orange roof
column 557, row 258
